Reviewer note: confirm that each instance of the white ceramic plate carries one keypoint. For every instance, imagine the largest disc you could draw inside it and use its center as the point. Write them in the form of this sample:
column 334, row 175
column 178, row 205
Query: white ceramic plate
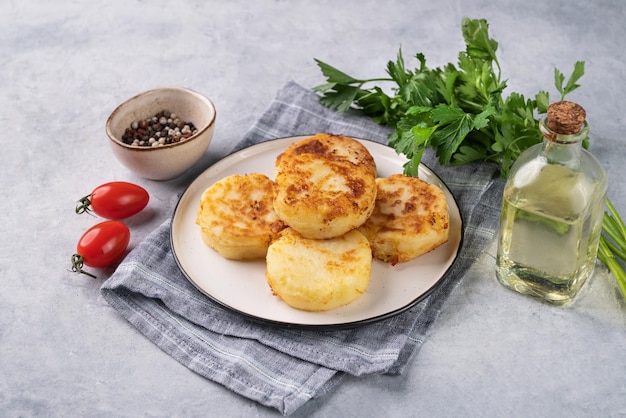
column 241, row 285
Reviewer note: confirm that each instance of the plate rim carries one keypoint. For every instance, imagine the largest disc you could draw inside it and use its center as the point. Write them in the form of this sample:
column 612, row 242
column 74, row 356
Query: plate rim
column 286, row 324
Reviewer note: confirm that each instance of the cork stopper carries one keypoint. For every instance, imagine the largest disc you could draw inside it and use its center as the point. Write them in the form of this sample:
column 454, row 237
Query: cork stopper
column 565, row 118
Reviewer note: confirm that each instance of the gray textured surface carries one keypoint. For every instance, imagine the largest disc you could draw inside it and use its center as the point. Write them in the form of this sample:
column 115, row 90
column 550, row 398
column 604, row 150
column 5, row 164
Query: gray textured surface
column 66, row 65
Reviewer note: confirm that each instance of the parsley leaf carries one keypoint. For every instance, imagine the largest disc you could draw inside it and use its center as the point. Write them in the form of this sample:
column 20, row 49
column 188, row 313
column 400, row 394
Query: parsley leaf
column 559, row 78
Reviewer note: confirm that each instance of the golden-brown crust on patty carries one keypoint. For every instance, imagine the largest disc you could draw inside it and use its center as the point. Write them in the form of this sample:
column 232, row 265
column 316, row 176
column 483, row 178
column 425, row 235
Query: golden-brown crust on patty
column 237, row 218
column 318, row 275
column 410, row 219
column 325, row 185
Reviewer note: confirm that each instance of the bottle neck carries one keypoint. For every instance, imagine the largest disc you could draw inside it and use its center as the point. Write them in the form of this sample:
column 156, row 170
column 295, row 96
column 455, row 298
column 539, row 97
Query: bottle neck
column 563, row 149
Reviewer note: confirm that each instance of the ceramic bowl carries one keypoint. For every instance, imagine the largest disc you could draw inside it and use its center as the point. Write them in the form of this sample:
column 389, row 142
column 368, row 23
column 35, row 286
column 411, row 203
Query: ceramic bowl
column 167, row 161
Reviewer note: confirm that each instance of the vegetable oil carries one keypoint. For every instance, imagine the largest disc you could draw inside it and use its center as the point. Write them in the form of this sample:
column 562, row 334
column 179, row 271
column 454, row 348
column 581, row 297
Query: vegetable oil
column 552, row 210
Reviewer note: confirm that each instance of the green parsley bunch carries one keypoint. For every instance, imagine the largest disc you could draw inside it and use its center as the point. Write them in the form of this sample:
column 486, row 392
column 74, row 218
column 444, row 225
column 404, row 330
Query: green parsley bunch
column 458, row 109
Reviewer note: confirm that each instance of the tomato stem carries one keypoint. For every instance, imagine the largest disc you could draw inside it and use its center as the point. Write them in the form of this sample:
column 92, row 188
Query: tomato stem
column 84, row 205
column 77, row 265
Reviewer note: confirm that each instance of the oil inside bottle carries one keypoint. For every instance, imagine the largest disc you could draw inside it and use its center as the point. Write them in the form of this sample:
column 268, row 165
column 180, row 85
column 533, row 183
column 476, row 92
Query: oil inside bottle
column 549, row 232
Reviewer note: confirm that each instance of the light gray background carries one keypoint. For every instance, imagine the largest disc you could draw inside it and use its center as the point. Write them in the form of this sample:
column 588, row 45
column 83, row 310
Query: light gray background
column 65, row 65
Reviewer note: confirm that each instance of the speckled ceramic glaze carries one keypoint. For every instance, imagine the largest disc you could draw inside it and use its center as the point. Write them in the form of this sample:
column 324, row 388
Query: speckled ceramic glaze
column 167, row 161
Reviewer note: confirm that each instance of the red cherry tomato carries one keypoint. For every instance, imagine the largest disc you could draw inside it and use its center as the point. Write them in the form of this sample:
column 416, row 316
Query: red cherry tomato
column 115, row 200
column 100, row 246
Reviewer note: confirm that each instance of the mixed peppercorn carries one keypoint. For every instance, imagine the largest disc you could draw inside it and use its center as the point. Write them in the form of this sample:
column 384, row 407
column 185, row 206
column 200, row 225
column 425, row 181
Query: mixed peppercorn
column 161, row 129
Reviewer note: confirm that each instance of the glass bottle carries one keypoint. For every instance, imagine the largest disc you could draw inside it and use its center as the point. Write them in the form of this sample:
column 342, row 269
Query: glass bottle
column 552, row 210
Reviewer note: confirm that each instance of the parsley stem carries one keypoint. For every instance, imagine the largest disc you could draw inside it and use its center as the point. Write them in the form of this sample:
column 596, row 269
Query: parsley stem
column 612, row 247
column 606, row 256
column 369, row 80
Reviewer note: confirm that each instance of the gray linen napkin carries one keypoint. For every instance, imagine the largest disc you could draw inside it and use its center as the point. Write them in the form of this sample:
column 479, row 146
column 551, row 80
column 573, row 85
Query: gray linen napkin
column 278, row 366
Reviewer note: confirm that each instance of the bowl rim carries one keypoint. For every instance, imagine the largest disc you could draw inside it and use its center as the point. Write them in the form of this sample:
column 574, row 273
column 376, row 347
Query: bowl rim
column 186, row 90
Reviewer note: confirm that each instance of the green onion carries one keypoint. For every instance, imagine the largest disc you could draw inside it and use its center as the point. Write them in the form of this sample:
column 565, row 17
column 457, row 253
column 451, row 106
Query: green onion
column 612, row 248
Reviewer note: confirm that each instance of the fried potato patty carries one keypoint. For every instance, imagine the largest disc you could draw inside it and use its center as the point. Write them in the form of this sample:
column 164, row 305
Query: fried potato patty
column 318, row 275
column 325, row 185
column 237, row 218
column 410, row 219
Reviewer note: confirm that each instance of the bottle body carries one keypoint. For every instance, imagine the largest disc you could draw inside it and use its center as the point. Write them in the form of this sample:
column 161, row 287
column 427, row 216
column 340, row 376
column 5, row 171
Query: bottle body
column 551, row 220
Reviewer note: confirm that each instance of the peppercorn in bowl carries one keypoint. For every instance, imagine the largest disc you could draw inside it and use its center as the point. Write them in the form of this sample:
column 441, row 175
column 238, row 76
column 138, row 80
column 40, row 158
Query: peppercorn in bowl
column 161, row 133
